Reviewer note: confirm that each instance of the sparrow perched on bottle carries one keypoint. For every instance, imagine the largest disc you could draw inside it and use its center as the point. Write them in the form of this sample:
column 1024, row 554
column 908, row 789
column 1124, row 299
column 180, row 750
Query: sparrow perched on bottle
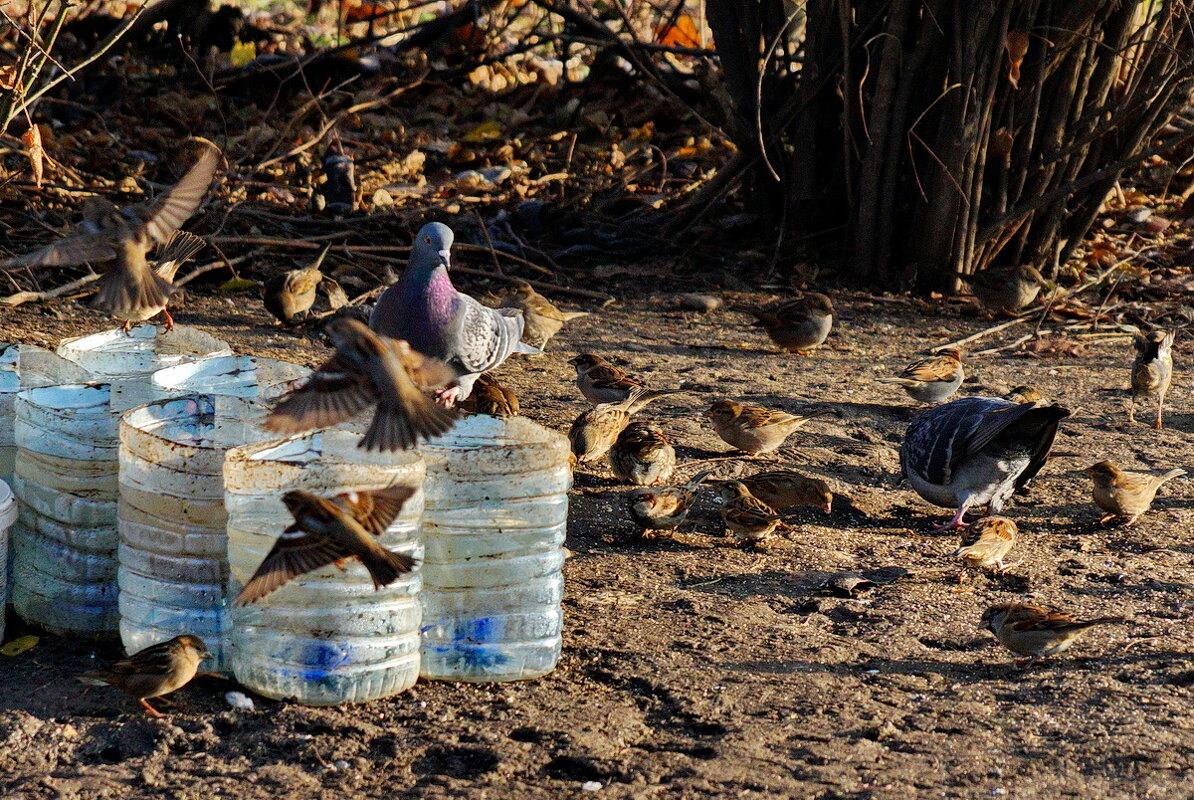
column 1152, row 371
column 987, row 542
column 755, row 429
column 1005, row 289
column 798, row 325
column 367, row 370
column 1025, row 394
column 977, row 451
column 130, row 290
column 747, row 518
column 542, row 319
column 663, row 508
column 1126, row 495
column 594, row 432
column 155, row 671
column 932, row 379
column 292, row 293
column 1036, row 631
column 601, row 382
column 491, row 398
column 642, row 455
column 784, row 488
column 330, row 531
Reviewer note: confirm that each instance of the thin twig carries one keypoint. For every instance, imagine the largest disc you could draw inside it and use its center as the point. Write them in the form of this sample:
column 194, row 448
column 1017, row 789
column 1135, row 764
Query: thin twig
column 20, row 298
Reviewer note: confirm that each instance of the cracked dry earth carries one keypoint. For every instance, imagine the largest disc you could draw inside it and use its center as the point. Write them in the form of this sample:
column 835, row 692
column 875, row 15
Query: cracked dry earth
column 692, row 668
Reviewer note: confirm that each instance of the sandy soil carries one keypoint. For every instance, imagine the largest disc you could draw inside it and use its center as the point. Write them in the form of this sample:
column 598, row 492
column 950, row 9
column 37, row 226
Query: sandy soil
column 694, row 668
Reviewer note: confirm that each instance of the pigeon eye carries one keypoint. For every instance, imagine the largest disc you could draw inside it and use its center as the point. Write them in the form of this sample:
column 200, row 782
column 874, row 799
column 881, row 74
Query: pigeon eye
column 427, row 239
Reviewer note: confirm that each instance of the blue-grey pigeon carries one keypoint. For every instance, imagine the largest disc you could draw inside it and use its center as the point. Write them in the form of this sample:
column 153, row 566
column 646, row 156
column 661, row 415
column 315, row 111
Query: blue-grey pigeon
column 425, row 309
column 977, row 451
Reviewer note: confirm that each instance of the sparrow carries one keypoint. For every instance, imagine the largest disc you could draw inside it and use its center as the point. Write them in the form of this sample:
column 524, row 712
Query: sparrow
column 1036, row 631
column 642, row 455
column 987, row 542
column 155, row 671
column 1025, row 394
column 130, row 290
column 542, row 319
column 754, row 429
column 601, row 382
column 594, row 432
column 369, row 370
column 1005, row 289
column 330, row 531
column 797, row 325
column 1124, row 494
column 977, row 451
column 491, row 398
column 749, row 519
column 784, row 488
column 292, row 293
column 1152, row 371
column 663, row 508
column 932, row 379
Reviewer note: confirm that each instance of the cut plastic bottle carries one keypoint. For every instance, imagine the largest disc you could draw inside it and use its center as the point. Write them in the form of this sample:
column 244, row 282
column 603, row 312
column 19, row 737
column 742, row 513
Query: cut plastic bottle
column 8, row 515
column 238, row 376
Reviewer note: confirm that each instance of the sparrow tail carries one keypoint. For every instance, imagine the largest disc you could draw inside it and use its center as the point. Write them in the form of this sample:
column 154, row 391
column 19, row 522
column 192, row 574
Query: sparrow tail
column 385, row 566
column 181, row 247
column 397, row 427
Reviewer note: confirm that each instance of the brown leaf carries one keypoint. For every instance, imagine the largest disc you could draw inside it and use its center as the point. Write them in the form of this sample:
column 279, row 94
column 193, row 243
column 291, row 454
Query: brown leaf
column 32, row 141
column 1017, row 47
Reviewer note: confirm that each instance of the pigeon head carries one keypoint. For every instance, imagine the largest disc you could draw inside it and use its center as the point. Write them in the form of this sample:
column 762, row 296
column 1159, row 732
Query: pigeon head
column 432, row 247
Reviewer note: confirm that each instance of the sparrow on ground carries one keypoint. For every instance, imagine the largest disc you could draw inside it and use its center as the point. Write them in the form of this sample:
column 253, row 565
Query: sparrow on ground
column 601, row 382
column 1025, row 394
column 1005, row 289
column 798, row 325
column 491, row 398
column 130, row 290
column 1152, row 371
column 424, row 309
column 369, row 370
column 784, row 488
column 754, row 429
column 987, row 542
column 330, row 531
column 664, row 508
column 157, row 670
column 542, row 319
column 1036, row 631
column 642, row 455
column 292, row 293
column 594, row 432
column 1125, row 495
column 977, row 451
column 932, row 379
column 748, row 518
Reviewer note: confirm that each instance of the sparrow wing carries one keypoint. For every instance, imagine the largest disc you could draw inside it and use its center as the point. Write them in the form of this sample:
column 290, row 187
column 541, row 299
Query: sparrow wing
column 335, row 392
column 163, row 215
column 82, row 248
column 375, row 510
column 295, row 553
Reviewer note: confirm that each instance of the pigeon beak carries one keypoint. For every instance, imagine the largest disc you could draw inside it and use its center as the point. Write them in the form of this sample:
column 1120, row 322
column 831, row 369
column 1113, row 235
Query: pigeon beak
column 445, row 259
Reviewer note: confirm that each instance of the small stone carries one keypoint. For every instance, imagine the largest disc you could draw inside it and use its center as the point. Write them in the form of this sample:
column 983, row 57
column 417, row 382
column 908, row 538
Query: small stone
column 704, row 303
column 592, row 786
column 382, row 199
column 240, row 700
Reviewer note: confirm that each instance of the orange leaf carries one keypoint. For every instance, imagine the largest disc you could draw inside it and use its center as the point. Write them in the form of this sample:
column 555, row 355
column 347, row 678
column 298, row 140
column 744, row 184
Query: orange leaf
column 1017, row 47
column 683, row 34
column 358, row 12
column 32, row 141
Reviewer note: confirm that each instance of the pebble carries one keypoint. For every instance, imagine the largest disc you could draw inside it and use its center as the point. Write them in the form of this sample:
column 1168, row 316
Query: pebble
column 591, row 786
column 704, row 303
column 240, row 700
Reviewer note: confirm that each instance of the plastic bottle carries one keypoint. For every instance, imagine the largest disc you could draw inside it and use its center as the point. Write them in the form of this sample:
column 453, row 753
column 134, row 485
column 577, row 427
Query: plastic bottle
column 239, row 376
column 23, row 366
column 173, row 555
column 126, row 360
column 64, row 564
column 493, row 534
column 325, row 637
column 8, row 515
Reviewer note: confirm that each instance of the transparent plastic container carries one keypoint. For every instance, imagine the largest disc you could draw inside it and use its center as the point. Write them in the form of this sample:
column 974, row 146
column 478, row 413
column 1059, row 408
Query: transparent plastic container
column 173, row 554
column 24, row 366
column 239, row 376
column 493, row 535
column 64, row 554
column 126, row 360
column 8, row 515
column 326, row 637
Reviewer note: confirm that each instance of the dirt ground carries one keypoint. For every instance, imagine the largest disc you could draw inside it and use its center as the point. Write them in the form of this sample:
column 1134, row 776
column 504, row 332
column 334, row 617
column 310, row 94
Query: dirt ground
column 693, row 668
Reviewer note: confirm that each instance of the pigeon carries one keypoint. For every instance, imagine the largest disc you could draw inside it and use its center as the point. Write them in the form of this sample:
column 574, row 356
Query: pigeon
column 130, row 290
column 798, row 325
column 425, row 309
column 977, row 451
column 329, row 531
column 1036, row 631
column 157, row 670
column 1152, row 371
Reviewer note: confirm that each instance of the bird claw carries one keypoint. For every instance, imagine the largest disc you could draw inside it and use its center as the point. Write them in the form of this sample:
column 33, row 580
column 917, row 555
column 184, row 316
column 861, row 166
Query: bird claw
column 151, row 711
column 449, row 396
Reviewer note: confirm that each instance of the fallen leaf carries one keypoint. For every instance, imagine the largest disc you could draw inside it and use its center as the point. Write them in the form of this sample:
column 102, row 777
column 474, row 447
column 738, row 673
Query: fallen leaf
column 683, row 33
column 237, row 284
column 19, row 645
column 484, row 132
column 1017, row 47
column 242, row 53
column 32, row 141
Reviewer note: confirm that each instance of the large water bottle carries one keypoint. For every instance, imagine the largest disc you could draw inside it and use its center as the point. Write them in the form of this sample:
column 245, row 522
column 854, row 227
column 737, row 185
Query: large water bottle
column 173, row 556
column 493, row 535
column 24, row 366
column 64, row 565
column 127, row 360
column 240, row 376
column 325, row 637
column 8, row 515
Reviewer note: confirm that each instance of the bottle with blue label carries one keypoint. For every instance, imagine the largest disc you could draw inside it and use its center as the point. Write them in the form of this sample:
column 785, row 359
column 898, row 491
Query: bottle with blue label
column 493, row 536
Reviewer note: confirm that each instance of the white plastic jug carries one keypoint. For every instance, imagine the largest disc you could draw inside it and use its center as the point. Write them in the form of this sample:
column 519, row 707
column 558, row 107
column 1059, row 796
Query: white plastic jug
column 241, row 376
column 64, row 554
column 326, row 637
column 173, row 555
column 8, row 515
column 493, row 534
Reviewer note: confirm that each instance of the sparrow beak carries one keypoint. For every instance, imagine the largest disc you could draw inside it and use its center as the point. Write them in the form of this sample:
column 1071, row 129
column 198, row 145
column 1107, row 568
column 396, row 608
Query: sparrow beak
column 445, row 259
